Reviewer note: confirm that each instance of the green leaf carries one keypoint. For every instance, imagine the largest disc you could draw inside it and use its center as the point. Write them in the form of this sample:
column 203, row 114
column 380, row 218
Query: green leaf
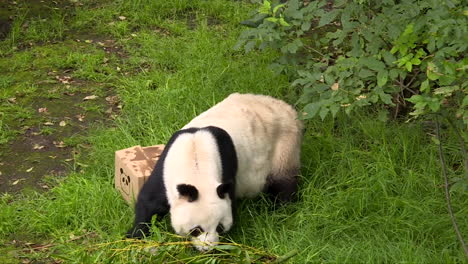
column 373, row 98
column 431, row 45
column 394, row 73
column 431, row 71
column 265, row 8
column 283, row 22
column 364, row 73
column 416, row 99
column 435, row 140
column 386, row 98
column 404, row 50
column 382, row 77
column 239, row 45
column 409, row 66
column 424, row 86
column 447, row 90
column 294, row 46
column 324, row 112
column 420, row 53
column 409, row 29
column 329, row 78
column 445, row 79
column 345, row 17
column 272, row 19
column 415, row 61
column 275, row 9
column 312, row 109
column 434, row 105
column 249, row 45
column 431, row 75
column 372, row 63
column 334, row 108
column 401, row 62
column 465, row 101
column 388, row 58
column 327, row 17
column 293, row 12
column 305, row 26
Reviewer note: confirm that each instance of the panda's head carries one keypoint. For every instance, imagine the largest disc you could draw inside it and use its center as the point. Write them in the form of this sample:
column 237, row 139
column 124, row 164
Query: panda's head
column 199, row 194
column 202, row 216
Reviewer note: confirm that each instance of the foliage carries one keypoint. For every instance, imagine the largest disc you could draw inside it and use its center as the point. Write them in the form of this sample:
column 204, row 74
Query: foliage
column 356, row 53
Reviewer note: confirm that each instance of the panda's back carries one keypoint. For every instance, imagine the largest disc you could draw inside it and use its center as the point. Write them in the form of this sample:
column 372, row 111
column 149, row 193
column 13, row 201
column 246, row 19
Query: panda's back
column 257, row 124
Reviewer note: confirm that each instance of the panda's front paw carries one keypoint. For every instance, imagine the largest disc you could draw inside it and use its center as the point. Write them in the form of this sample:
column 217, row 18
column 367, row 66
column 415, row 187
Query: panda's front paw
column 138, row 232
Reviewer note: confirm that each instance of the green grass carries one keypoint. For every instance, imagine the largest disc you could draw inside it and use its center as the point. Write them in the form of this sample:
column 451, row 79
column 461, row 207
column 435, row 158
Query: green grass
column 370, row 191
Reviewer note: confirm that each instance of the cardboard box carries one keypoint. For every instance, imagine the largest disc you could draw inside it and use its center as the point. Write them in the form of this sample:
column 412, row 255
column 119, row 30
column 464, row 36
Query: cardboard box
column 133, row 166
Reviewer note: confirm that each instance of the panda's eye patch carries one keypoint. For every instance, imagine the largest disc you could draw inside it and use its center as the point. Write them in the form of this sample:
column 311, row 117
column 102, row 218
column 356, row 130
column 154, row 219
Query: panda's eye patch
column 220, row 228
column 196, row 231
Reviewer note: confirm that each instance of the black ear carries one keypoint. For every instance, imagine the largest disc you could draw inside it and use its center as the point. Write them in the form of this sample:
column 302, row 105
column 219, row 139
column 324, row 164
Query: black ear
column 188, row 191
column 223, row 188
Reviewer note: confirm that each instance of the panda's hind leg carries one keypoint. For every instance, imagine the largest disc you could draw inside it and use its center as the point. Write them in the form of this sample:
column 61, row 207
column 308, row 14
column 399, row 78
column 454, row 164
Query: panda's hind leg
column 283, row 179
column 283, row 187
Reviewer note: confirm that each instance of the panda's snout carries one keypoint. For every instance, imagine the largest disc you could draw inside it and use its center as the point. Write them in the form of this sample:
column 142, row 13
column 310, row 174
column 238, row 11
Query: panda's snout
column 206, row 241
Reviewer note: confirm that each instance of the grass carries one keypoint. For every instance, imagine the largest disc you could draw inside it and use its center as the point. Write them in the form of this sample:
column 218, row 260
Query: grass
column 370, row 191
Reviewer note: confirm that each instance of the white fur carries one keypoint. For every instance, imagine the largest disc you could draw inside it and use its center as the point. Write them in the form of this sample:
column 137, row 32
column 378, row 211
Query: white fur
column 266, row 134
column 267, row 137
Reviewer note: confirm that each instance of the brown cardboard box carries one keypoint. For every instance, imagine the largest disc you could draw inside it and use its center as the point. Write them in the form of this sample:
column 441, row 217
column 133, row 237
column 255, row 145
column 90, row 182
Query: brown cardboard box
column 133, row 166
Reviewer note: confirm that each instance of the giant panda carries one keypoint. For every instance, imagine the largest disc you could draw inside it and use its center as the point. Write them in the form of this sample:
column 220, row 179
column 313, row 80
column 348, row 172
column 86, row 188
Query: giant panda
column 244, row 145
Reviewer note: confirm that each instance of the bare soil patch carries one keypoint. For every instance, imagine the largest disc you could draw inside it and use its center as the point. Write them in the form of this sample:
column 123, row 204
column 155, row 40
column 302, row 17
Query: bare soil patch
column 49, row 148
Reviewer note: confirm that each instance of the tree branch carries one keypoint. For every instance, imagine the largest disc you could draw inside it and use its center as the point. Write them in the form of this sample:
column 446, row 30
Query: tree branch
column 415, row 74
column 462, row 143
column 447, row 191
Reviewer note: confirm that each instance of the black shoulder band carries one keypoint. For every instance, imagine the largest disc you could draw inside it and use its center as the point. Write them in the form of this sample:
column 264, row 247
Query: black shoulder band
column 228, row 154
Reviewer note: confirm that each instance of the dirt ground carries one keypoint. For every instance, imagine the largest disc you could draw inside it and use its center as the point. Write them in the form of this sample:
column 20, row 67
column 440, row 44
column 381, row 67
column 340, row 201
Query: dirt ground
column 60, row 111
column 33, row 155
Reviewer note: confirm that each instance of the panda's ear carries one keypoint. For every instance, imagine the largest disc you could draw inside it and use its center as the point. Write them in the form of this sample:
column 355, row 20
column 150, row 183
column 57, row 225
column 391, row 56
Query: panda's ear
column 223, row 189
column 188, row 191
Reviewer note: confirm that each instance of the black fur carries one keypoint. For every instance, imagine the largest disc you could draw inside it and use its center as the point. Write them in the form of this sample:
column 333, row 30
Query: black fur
column 223, row 189
column 188, row 191
column 152, row 198
column 283, row 187
column 229, row 163
column 228, row 155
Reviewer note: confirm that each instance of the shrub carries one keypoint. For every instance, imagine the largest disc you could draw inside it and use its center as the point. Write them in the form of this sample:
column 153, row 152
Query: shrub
column 347, row 54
